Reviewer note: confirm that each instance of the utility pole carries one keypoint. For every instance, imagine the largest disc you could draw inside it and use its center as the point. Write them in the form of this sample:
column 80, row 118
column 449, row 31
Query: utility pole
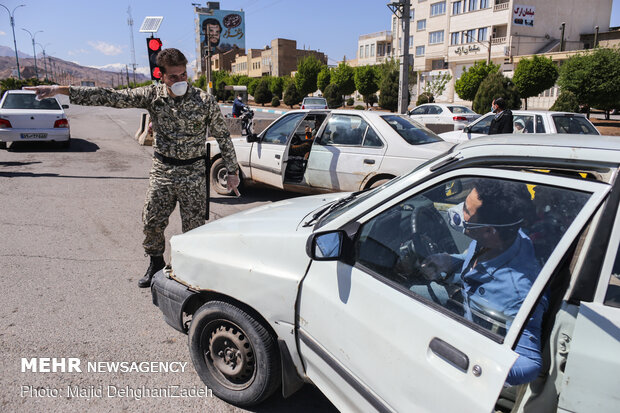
column 563, row 27
column 44, row 61
column 32, row 36
column 133, row 49
column 402, row 10
column 12, row 19
column 127, row 72
column 595, row 37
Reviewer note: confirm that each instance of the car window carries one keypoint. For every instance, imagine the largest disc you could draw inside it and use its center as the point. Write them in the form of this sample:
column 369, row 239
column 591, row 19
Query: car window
column 280, row 131
column 28, row 101
column 420, row 111
column 573, row 124
column 372, row 139
column 461, row 109
column 434, row 110
column 540, row 125
column 344, row 130
column 612, row 297
column 470, row 246
column 410, row 131
column 523, row 124
column 482, row 126
column 314, row 101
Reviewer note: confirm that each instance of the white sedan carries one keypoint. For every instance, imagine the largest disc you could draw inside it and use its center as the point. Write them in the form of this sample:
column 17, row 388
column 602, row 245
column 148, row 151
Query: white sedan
column 443, row 113
column 333, row 290
column 25, row 119
column 314, row 151
column 528, row 121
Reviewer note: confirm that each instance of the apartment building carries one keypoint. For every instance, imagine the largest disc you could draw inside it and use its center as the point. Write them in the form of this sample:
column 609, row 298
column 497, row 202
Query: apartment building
column 449, row 36
column 374, row 48
column 278, row 59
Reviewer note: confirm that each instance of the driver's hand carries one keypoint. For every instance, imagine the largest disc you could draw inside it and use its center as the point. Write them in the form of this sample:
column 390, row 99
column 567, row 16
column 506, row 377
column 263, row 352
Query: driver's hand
column 232, row 182
column 435, row 264
column 44, row 92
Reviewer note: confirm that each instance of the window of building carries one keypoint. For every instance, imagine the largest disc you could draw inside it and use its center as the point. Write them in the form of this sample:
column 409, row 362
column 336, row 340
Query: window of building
column 411, row 14
column 380, row 49
column 389, row 49
column 421, row 25
column 400, row 43
column 456, row 7
column 469, row 36
column 482, row 34
column 437, row 65
column 472, row 5
column 455, row 37
column 435, row 37
column 484, row 4
column 410, row 42
column 372, row 50
column 438, row 8
column 419, row 51
column 361, row 51
column 366, row 51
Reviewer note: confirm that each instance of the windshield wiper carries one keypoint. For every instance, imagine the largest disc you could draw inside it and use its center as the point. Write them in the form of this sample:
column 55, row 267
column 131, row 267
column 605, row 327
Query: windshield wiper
column 330, row 207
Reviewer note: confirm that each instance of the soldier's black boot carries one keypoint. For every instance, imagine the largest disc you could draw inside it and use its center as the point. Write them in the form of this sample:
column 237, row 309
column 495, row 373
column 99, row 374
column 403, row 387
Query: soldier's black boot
column 157, row 263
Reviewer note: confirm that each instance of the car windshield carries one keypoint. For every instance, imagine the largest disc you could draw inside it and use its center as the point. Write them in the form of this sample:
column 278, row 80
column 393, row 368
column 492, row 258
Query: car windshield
column 412, row 132
column 573, row 124
column 314, row 101
column 27, row 101
column 461, row 109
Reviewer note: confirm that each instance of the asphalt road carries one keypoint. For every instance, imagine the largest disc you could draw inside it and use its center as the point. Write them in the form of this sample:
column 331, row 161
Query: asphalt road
column 71, row 255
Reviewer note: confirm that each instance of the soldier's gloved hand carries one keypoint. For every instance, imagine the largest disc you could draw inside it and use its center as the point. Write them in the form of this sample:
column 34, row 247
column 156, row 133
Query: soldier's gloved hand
column 44, row 92
column 232, row 182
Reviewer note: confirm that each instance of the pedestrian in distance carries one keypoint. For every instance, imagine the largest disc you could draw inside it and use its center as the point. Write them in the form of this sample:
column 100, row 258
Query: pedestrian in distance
column 180, row 115
column 502, row 122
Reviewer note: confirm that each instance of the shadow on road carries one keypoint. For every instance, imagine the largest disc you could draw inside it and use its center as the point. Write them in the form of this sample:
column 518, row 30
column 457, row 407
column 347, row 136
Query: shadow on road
column 77, row 145
column 308, row 399
column 252, row 194
column 52, row 175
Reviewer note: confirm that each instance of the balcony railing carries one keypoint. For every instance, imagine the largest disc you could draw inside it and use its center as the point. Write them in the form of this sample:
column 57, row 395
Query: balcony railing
column 498, row 40
column 501, row 5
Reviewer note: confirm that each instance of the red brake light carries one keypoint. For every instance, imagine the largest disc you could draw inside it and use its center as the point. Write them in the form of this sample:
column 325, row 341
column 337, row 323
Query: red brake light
column 4, row 123
column 459, row 119
column 61, row 123
column 303, row 106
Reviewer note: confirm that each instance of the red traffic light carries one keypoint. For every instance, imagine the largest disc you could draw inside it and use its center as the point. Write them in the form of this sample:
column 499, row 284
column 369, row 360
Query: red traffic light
column 154, row 44
column 156, row 73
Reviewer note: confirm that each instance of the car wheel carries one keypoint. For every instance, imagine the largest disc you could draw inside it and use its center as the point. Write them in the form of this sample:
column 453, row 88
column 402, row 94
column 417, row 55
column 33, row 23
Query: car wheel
column 378, row 182
column 219, row 175
column 2, row 145
column 234, row 354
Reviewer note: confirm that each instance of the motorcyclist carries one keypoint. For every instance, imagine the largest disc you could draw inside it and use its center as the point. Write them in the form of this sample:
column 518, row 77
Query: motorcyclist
column 238, row 106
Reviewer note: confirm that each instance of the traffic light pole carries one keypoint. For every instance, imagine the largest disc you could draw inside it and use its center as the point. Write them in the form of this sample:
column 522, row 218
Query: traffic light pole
column 402, row 10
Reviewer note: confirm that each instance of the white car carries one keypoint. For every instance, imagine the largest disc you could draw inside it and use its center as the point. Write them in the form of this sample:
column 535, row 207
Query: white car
column 443, row 113
column 329, row 151
column 25, row 119
column 533, row 121
column 328, row 289
column 314, row 103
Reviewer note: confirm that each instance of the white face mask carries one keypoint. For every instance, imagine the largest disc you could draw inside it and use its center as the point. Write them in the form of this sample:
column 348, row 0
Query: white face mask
column 455, row 217
column 179, row 88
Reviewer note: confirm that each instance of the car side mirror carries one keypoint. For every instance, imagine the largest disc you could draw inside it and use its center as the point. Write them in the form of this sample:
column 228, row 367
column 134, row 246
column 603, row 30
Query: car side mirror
column 326, row 246
column 252, row 138
column 466, row 129
column 65, row 106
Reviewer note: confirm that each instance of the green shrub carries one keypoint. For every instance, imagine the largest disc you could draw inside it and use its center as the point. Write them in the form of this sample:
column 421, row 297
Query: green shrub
column 350, row 102
column 275, row 102
column 425, row 97
column 566, row 102
column 333, row 96
column 291, row 95
column 493, row 86
column 359, row 107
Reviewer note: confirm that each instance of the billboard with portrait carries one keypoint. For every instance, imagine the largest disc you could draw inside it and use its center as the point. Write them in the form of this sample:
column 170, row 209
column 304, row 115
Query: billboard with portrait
column 222, row 30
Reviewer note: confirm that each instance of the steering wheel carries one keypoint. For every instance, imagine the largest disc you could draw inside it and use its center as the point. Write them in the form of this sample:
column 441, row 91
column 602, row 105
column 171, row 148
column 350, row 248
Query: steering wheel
column 430, row 233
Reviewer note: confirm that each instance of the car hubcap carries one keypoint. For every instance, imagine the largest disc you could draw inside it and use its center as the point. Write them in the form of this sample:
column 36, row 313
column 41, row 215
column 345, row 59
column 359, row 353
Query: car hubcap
column 222, row 177
column 232, row 356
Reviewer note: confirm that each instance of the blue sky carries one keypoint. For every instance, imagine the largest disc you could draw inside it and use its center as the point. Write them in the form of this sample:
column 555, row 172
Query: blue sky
column 96, row 33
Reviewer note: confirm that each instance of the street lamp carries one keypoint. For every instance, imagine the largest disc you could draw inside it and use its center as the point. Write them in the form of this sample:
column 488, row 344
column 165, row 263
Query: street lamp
column 11, row 14
column 44, row 61
column 32, row 36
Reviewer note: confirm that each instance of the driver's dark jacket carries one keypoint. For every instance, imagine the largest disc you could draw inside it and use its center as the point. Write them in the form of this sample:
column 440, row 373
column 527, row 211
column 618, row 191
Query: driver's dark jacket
column 237, row 107
column 502, row 123
column 501, row 284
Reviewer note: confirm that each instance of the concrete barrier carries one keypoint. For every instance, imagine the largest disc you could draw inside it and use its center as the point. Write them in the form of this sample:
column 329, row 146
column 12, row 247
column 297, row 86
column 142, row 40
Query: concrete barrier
column 234, row 125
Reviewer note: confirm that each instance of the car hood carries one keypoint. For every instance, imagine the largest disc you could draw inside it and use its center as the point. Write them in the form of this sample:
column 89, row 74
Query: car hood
column 264, row 240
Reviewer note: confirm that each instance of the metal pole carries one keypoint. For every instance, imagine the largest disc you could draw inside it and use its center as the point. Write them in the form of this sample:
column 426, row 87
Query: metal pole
column 489, row 52
column 402, row 9
column 562, row 39
column 12, row 20
column 33, row 36
column 127, row 72
column 595, row 37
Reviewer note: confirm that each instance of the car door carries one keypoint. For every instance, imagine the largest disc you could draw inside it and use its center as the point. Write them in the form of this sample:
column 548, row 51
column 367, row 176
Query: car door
column 591, row 380
column 348, row 151
column 376, row 336
column 266, row 156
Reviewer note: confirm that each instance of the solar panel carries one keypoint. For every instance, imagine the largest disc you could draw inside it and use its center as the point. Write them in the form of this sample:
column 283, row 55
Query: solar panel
column 151, row 24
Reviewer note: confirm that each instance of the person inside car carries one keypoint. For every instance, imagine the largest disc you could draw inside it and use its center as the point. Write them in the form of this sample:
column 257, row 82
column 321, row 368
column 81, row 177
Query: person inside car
column 496, row 272
column 519, row 126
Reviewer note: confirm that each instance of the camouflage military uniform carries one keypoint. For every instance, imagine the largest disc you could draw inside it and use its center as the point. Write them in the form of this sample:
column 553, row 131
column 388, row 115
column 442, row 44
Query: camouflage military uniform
column 179, row 130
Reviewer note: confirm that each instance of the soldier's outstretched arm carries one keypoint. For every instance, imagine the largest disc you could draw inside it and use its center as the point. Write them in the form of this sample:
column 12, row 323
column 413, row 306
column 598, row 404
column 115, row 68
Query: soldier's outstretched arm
column 97, row 96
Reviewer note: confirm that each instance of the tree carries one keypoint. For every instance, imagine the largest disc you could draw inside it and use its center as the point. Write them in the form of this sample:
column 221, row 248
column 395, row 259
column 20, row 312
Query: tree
column 388, row 99
column 494, row 86
column 566, row 102
column 324, row 78
column 252, row 86
column 594, row 78
column 308, row 70
column 437, row 84
column 291, row 95
column 366, row 81
column 469, row 82
column 535, row 75
column 262, row 94
column 276, row 85
column 344, row 77
column 333, row 95
column 425, row 97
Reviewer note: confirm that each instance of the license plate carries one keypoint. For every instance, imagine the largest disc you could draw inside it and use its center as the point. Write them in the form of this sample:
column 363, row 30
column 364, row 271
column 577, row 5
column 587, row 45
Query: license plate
column 34, row 135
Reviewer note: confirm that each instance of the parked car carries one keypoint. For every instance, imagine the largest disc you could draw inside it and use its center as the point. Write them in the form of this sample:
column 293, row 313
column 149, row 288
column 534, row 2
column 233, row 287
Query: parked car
column 534, row 121
column 457, row 115
column 314, row 103
column 25, row 119
column 328, row 289
column 330, row 151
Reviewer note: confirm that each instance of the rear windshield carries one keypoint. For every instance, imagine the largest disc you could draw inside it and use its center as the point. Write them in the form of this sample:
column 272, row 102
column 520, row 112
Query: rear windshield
column 27, row 101
column 314, row 101
column 573, row 124
column 412, row 132
column 460, row 109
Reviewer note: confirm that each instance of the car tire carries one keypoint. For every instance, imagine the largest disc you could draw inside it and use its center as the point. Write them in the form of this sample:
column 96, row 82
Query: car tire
column 219, row 173
column 2, row 145
column 246, row 367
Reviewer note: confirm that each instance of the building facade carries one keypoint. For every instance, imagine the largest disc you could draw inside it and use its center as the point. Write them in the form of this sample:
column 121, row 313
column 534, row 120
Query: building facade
column 374, row 48
column 449, row 36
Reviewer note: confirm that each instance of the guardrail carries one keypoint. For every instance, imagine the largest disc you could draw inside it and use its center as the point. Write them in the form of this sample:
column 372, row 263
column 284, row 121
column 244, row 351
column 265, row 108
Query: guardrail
column 501, row 6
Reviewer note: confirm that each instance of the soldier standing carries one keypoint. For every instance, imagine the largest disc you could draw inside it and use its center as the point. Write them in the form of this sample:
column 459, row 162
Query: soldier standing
column 180, row 115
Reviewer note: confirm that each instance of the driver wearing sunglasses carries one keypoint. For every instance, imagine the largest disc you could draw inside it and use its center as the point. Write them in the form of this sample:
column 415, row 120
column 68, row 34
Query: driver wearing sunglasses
column 496, row 272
